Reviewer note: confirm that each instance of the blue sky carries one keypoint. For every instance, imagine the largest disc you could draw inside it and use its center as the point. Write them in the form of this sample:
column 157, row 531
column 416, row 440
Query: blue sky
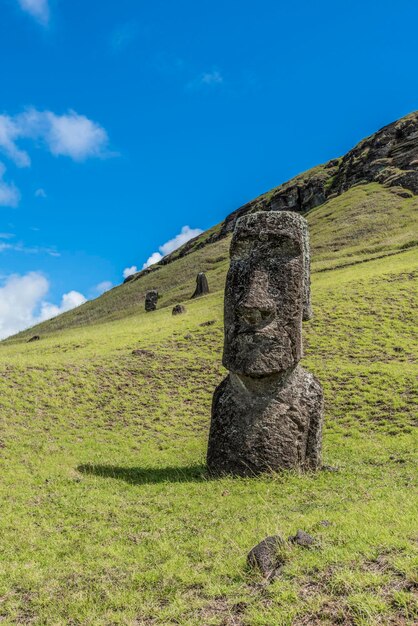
column 122, row 123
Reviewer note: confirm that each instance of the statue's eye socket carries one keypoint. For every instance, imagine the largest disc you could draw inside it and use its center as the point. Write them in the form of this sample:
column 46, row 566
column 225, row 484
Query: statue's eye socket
column 287, row 248
column 241, row 249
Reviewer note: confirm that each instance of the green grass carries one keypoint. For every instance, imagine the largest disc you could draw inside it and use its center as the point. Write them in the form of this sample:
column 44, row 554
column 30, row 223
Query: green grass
column 108, row 516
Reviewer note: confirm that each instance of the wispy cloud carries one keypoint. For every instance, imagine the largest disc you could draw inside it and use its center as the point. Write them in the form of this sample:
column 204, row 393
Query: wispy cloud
column 123, row 36
column 23, row 304
column 40, row 193
column 184, row 235
column 210, row 79
column 102, row 287
column 71, row 135
column 10, row 131
column 38, row 9
column 6, row 245
column 170, row 67
column 9, row 193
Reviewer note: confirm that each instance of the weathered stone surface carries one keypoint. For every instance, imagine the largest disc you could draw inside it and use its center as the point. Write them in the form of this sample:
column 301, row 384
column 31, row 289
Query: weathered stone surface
column 267, row 414
column 178, row 309
column 262, row 425
column 151, row 299
column 303, row 539
column 34, row 338
column 268, row 556
column 266, row 289
column 202, row 286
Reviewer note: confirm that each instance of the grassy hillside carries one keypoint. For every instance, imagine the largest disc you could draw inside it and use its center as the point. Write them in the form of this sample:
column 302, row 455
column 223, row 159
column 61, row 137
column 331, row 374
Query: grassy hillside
column 365, row 222
column 108, row 517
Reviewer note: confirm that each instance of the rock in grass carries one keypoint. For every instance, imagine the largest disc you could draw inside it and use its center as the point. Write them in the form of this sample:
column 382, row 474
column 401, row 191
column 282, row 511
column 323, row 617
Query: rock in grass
column 34, row 338
column 142, row 352
column 178, row 309
column 303, row 539
column 268, row 556
column 330, row 468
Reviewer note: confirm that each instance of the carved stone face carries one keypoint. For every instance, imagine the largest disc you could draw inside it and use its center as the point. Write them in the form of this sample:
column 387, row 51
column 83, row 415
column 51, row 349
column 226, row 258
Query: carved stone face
column 265, row 294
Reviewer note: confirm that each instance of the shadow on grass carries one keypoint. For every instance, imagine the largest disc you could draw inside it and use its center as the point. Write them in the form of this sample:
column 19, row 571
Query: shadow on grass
column 149, row 475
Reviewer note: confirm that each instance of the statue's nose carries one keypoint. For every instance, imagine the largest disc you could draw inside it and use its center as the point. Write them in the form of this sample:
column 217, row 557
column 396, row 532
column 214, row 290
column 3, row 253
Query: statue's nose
column 257, row 307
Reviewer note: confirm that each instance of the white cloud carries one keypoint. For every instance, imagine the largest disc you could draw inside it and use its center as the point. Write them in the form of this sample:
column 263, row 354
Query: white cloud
column 212, row 78
column 207, row 79
column 9, row 193
column 71, row 134
column 22, row 302
column 103, row 287
column 152, row 260
column 185, row 235
column 39, row 9
column 19, row 297
column 129, row 271
column 40, row 193
column 9, row 133
column 69, row 301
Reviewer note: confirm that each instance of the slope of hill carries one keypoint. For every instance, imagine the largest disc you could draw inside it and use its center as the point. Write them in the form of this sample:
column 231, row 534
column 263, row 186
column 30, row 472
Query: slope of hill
column 108, row 516
column 365, row 222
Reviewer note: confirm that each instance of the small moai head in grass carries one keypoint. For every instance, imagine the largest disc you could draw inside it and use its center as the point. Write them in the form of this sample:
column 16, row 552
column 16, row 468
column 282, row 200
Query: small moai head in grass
column 267, row 294
column 151, row 299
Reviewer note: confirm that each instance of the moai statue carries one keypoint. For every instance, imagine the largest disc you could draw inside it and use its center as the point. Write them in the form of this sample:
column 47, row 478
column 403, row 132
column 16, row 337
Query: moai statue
column 151, row 299
column 202, row 286
column 267, row 414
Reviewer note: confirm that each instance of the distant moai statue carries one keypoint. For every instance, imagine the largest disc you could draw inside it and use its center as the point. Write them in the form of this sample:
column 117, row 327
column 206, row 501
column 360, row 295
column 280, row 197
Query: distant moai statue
column 267, row 414
column 151, row 299
column 202, row 286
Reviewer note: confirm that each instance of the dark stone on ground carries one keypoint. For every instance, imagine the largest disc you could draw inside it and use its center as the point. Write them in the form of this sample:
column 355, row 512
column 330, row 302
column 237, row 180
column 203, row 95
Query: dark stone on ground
column 34, row 338
column 151, row 299
column 330, row 468
column 142, row 352
column 129, row 278
column 209, row 323
column 202, row 286
column 179, row 309
column 303, row 539
column 267, row 556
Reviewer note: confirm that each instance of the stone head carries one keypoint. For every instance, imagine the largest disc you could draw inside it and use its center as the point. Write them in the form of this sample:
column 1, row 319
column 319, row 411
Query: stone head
column 267, row 293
